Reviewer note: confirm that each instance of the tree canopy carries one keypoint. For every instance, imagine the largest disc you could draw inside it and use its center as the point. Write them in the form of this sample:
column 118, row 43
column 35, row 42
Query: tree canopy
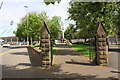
column 87, row 14
column 70, row 32
column 33, row 24
column 47, row 2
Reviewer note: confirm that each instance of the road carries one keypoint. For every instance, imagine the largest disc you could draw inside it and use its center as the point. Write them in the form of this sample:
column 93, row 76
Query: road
column 14, row 59
column 114, row 56
column 2, row 50
column 16, row 64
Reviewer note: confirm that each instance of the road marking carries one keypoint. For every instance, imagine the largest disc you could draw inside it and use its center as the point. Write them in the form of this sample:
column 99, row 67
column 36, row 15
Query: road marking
column 7, row 52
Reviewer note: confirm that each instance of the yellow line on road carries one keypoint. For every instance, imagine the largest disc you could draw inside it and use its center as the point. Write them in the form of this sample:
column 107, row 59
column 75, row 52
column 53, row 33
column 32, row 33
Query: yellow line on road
column 7, row 52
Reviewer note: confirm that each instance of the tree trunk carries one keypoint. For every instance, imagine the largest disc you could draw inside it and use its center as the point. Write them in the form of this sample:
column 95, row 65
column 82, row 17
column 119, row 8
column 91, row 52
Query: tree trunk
column 31, row 41
column 38, row 41
column 70, row 41
column 116, row 39
column 85, row 39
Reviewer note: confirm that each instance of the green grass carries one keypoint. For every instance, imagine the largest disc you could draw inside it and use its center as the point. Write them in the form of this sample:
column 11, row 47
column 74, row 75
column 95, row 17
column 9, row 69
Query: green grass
column 54, row 48
column 37, row 46
column 119, row 45
column 83, row 48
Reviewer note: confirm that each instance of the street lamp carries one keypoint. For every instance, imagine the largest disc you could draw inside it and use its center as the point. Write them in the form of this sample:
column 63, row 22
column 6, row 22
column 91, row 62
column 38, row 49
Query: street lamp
column 1, row 5
column 27, row 25
column 63, row 34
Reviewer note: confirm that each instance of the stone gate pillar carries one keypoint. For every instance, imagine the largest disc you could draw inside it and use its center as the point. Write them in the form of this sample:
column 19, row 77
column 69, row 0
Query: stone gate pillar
column 101, row 45
column 46, row 47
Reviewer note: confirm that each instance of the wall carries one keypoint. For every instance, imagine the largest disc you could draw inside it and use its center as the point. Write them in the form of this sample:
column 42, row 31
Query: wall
column 35, row 56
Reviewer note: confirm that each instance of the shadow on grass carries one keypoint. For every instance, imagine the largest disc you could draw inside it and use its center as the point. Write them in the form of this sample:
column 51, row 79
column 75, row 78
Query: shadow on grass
column 67, row 52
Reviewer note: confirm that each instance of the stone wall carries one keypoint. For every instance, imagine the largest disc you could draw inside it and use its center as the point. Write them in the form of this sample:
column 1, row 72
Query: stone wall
column 35, row 56
column 46, row 50
column 102, row 49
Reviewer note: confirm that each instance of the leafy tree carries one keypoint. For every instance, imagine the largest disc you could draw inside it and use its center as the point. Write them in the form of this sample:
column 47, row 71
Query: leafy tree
column 117, row 21
column 54, row 26
column 88, row 14
column 47, row 2
column 31, row 26
column 35, row 22
column 70, row 32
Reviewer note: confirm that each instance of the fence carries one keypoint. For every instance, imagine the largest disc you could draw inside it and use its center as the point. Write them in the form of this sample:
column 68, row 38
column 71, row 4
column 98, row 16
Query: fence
column 114, row 40
column 92, row 49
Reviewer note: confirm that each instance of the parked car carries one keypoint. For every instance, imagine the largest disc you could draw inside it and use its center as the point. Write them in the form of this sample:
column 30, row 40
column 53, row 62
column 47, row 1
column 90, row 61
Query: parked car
column 6, row 45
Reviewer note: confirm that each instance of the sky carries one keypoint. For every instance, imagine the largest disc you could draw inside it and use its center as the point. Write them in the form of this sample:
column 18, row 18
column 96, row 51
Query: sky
column 14, row 10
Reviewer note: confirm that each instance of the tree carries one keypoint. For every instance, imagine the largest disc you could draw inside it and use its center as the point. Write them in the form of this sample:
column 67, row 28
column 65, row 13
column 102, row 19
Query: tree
column 117, row 21
column 70, row 32
column 54, row 26
column 88, row 14
column 47, row 2
column 35, row 22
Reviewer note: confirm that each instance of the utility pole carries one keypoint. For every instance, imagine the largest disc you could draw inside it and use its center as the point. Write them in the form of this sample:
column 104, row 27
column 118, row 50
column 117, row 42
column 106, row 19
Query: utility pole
column 27, row 26
column 1, row 5
column 63, row 34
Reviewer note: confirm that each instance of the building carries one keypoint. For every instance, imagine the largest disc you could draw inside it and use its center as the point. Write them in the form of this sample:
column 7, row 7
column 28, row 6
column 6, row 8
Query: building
column 10, row 39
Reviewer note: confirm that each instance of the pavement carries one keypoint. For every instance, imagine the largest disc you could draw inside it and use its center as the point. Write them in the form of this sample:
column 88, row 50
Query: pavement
column 114, row 56
column 67, row 64
column 5, row 49
column 72, row 62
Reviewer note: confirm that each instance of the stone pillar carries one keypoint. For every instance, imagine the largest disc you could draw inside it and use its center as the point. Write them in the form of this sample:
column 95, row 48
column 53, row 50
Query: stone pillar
column 46, row 47
column 101, row 46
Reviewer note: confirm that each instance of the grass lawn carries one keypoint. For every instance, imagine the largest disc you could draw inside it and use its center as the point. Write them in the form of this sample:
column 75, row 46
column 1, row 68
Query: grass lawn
column 37, row 46
column 54, row 50
column 83, row 48
column 119, row 45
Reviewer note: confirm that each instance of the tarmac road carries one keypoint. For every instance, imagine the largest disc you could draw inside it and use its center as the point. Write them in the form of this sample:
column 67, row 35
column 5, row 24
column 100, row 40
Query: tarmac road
column 2, row 50
column 114, row 57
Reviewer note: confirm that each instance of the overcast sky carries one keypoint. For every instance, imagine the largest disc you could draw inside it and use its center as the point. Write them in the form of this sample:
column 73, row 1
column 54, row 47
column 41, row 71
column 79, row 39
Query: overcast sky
column 13, row 10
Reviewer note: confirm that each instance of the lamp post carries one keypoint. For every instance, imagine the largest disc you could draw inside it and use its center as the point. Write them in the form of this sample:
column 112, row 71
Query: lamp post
column 1, row 5
column 63, row 34
column 27, row 25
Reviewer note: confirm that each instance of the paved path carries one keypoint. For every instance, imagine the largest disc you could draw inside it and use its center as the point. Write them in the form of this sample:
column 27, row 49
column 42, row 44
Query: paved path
column 15, row 61
column 67, row 64
column 72, row 63
column 114, row 56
